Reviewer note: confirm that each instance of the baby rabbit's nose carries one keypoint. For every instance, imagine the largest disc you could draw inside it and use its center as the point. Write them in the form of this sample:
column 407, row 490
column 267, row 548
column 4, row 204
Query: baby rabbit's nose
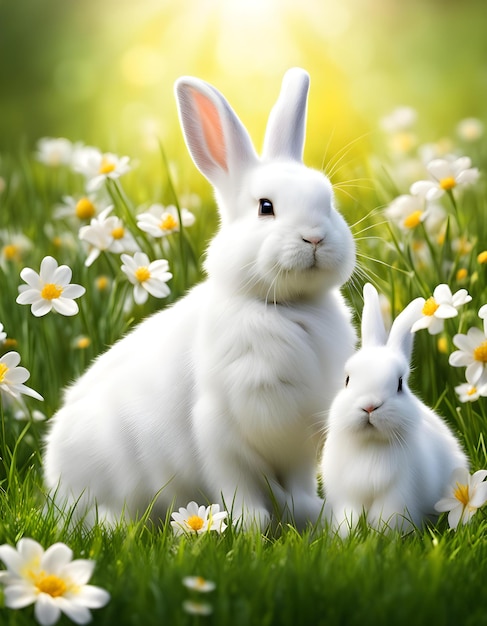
column 370, row 408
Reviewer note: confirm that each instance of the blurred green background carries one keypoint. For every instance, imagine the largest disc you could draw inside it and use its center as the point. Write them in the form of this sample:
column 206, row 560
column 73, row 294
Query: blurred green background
column 102, row 72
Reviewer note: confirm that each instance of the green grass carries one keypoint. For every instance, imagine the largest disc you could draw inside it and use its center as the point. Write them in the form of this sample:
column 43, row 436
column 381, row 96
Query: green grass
column 435, row 575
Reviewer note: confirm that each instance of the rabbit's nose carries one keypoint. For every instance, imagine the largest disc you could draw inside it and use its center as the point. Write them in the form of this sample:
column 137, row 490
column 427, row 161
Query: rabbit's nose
column 315, row 241
column 370, row 408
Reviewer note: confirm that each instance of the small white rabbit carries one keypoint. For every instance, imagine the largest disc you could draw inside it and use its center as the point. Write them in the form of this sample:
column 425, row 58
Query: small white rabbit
column 221, row 395
column 386, row 453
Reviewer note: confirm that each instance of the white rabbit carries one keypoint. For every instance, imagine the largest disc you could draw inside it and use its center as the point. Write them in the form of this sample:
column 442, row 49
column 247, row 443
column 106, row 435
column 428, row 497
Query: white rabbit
column 386, row 453
column 221, row 395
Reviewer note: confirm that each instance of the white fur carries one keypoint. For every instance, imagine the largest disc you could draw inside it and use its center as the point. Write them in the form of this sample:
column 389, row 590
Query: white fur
column 221, row 395
column 386, row 453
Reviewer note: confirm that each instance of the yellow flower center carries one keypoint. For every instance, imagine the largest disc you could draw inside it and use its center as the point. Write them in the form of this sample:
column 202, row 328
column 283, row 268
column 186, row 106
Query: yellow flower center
column 413, row 219
column 448, row 183
column 430, row 306
column 11, row 252
column 462, row 273
column 482, row 257
column 106, row 166
column 85, row 209
column 118, row 233
column 472, row 391
column 51, row 291
column 83, row 342
column 10, row 342
column 480, row 352
column 442, row 345
column 403, row 141
column 168, row 223
column 142, row 274
column 102, row 283
column 461, row 494
column 195, row 522
column 3, row 372
column 50, row 584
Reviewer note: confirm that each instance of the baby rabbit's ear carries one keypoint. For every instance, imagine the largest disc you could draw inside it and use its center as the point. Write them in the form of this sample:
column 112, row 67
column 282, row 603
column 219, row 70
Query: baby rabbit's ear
column 286, row 127
column 217, row 140
column 373, row 329
column 401, row 338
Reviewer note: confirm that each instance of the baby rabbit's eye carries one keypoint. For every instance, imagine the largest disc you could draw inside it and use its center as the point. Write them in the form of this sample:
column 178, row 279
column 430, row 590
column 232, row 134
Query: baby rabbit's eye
column 347, row 380
column 265, row 207
column 399, row 385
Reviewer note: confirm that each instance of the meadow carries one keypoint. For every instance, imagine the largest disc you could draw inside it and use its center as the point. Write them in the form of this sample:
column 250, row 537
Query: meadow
column 95, row 81
column 408, row 244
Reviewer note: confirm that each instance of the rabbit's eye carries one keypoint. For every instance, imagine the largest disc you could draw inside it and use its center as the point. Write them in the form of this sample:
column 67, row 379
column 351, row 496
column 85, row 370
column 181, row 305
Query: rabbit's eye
column 399, row 385
column 347, row 380
column 265, row 207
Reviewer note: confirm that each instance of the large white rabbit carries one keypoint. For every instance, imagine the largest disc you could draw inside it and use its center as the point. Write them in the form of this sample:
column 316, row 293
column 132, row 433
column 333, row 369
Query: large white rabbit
column 386, row 453
column 221, row 395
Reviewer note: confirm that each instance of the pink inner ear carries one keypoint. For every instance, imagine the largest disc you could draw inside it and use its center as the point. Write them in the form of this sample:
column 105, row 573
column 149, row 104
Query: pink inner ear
column 212, row 128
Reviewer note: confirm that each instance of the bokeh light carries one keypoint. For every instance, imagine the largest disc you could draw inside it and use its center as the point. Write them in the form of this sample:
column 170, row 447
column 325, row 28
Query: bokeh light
column 103, row 73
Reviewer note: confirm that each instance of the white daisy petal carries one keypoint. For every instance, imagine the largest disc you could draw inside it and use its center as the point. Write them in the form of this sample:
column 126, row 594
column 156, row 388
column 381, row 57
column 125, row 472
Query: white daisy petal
column 41, row 307
column 454, row 516
column 79, row 570
column 56, row 557
column 64, row 306
column 140, row 294
column 93, row 597
column 19, row 595
column 446, row 311
column 46, row 610
column 77, row 613
column 62, row 275
column 47, row 270
column 31, row 278
column 27, row 296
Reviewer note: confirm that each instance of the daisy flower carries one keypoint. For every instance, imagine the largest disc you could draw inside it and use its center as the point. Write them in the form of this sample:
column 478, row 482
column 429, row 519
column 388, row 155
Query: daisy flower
column 3, row 334
column 147, row 278
column 81, row 207
column 14, row 247
column 446, row 176
column 470, row 393
column 467, row 494
column 97, row 166
column 106, row 233
column 197, row 608
column 199, row 584
column 12, row 378
column 50, row 289
column 54, row 152
column 159, row 221
column 196, row 519
column 50, row 580
column 483, row 316
column 406, row 211
column 472, row 354
column 470, row 129
column 440, row 306
column 401, row 118
column 23, row 415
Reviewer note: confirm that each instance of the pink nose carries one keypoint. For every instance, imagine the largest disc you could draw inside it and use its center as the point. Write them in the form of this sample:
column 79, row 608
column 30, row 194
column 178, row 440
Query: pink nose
column 369, row 409
column 315, row 241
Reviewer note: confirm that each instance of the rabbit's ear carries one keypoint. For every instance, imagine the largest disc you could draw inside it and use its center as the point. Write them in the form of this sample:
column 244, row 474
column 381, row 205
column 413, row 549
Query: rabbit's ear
column 401, row 338
column 373, row 329
column 217, row 140
column 286, row 127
